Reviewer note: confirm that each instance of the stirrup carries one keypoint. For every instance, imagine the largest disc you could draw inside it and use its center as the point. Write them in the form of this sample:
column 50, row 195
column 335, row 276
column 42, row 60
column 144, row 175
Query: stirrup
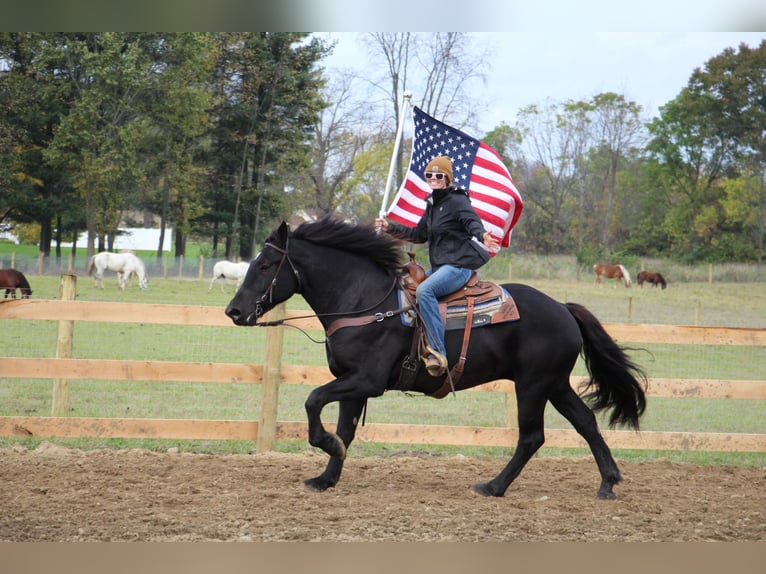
column 436, row 363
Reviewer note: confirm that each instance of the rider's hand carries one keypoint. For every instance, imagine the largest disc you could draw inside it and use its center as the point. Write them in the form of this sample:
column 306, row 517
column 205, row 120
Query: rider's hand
column 490, row 241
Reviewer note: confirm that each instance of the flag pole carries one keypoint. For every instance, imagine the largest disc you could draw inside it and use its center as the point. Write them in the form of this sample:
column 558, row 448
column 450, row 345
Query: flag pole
column 407, row 96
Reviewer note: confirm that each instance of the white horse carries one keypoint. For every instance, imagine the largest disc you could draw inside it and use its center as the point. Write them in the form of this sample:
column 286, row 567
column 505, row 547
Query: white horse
column 224, row 270
column 124, row 264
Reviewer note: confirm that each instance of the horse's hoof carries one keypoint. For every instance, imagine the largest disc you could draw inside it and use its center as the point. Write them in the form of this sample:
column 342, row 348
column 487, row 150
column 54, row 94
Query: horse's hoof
column 335, row 447
column 316, row 484
column 604, row 494
column 483, row 488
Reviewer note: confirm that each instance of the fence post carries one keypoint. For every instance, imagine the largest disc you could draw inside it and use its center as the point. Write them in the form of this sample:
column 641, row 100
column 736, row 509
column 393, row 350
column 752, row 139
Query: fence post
column 511, row 410
column 60, row 400
column 201, row 274
column 272, row 366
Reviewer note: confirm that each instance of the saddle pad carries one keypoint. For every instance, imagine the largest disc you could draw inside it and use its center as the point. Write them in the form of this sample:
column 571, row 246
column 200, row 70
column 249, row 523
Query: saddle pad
column 408, row 317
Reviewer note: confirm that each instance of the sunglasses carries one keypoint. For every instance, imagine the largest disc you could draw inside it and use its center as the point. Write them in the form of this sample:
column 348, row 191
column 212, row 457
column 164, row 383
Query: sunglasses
column 429, row 175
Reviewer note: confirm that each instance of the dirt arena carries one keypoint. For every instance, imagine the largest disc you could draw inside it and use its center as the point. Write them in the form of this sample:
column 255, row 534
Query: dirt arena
column 61, row 495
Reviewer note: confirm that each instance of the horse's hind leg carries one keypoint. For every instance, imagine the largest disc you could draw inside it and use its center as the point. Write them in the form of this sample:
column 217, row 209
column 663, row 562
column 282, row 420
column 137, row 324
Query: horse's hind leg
column 348, row 419
column 583, row 420
column 531, row 438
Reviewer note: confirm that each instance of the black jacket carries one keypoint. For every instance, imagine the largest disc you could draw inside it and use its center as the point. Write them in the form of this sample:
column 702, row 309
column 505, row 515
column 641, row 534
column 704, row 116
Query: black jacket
column 453, row 230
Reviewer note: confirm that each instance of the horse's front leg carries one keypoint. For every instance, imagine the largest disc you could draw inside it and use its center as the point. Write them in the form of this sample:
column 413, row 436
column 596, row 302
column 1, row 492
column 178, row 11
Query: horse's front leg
column 351, row 388
column 320, row 437
column 348, row 420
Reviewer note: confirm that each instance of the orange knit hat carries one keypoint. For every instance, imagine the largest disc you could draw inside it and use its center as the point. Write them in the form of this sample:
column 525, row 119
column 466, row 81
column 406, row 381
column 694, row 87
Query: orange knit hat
column 441, row 164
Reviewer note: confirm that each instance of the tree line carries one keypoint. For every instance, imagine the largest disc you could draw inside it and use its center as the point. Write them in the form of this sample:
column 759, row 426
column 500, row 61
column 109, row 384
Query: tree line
column 219, row 136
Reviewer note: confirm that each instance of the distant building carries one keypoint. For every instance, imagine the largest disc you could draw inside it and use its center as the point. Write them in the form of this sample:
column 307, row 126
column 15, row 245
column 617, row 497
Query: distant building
column 136, row 238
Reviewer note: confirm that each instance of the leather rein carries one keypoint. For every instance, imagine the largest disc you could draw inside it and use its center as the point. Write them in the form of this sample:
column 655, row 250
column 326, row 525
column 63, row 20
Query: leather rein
column 338, row 323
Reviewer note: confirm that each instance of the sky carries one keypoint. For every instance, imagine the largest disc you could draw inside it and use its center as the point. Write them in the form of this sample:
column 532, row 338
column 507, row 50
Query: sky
column 649, row 68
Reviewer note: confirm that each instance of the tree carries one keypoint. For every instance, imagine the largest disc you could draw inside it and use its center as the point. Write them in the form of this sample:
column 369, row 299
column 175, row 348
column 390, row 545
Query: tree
column 555, row 140
column 439, row 66
column 618, row 131
column 338, row 139
column 33, row 101
column 95, row 143
column 178, row 112
column 270, row 98
column 713, row 131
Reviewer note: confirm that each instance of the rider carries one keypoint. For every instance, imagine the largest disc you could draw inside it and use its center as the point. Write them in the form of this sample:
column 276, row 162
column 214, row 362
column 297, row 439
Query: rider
column 457, row 245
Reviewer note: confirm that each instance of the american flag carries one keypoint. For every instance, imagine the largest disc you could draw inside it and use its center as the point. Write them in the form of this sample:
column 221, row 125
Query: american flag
column 476, row 167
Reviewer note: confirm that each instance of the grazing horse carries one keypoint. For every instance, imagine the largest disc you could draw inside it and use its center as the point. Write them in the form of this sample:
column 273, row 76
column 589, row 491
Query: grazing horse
column 224, row 270
column 124, row 264
column 616, row 272
column 11, row 280
column 652, row 277
column 348, row 275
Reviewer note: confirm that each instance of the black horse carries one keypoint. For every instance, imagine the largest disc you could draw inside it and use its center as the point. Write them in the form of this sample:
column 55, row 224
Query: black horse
column 345, row 270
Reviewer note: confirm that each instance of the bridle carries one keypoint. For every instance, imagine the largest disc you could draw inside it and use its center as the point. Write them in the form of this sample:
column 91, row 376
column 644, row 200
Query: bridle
column 269, row 293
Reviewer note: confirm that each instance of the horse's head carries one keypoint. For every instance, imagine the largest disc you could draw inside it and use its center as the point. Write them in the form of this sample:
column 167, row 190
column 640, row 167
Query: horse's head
column 270, row 279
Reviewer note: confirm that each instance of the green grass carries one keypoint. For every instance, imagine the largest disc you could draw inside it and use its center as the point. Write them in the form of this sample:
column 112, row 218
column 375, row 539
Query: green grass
column 741, row 304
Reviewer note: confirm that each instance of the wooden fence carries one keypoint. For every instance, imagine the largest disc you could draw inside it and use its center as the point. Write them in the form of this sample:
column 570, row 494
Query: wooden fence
column 273, row 373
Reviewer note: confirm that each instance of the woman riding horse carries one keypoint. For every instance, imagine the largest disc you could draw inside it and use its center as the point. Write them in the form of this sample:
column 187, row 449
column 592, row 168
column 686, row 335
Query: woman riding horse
column 368, row 342
column 456, row 238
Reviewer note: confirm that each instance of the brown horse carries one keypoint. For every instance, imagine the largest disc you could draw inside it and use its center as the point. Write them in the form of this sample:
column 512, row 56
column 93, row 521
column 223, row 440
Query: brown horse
column 616, row 272
column 652, row 277
column 11, row 280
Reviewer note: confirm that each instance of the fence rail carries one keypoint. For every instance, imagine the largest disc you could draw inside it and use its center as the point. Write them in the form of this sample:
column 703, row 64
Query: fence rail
column 267, row 428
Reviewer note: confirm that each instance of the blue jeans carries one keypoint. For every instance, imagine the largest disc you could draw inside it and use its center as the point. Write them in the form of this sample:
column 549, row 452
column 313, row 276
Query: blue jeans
column 443, row 281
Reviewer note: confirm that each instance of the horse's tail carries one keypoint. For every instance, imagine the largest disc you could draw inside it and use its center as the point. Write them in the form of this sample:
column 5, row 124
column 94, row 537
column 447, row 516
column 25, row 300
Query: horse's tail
column 625, row 275
column 616, row 382
column 90, row 264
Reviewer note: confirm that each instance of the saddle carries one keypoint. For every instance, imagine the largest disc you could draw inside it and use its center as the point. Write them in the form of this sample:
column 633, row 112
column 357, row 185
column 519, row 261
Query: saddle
column 475, row 289
column 476, row 304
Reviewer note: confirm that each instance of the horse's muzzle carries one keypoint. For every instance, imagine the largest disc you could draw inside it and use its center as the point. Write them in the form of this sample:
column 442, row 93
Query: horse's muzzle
column 241, row 318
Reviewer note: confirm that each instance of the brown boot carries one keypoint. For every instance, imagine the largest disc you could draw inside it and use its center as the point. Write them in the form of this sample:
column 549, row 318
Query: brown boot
column 436, row 363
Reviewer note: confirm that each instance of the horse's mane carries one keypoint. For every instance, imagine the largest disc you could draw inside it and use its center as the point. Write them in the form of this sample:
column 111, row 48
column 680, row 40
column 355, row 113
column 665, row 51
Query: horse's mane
column 363, row 240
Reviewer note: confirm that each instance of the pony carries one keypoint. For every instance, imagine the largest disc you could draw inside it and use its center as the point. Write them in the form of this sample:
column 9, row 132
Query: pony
column 652, row 277
column 616, row 272
column 13, row 279
column 348, row 275
column 224, row 270
column 124, row 264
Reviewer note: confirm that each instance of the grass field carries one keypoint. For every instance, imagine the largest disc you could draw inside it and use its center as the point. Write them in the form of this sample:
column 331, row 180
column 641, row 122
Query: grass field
column 736, row 303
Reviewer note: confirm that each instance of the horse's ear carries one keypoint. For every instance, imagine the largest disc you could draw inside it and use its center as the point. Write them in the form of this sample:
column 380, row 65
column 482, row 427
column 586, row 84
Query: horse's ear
column 282, row 232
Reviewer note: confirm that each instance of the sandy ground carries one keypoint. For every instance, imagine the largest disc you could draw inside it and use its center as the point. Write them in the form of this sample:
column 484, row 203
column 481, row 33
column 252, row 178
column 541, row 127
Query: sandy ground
column 62, row 495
